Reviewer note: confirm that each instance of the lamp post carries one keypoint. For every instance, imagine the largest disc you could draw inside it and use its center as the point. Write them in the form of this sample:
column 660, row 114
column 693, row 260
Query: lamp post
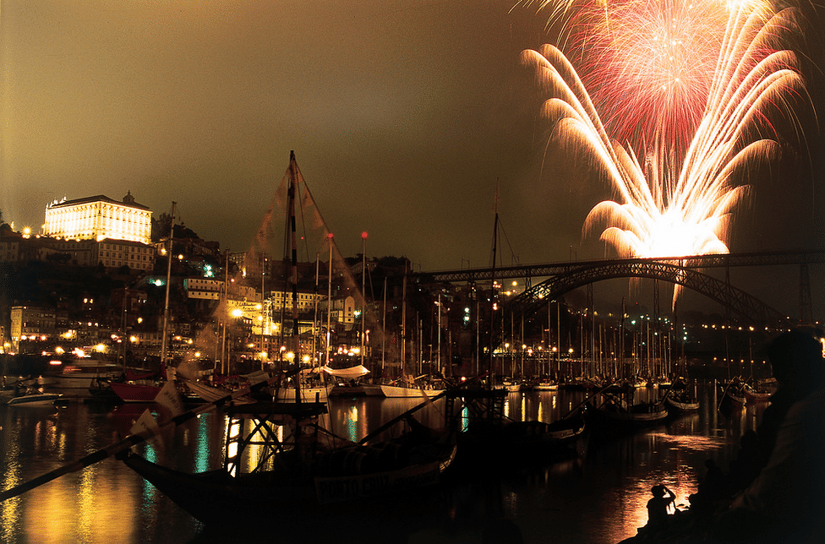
column 556, row 358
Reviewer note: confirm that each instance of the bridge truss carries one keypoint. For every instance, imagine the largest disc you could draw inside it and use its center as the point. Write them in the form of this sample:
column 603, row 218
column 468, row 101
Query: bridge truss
column 564, row 277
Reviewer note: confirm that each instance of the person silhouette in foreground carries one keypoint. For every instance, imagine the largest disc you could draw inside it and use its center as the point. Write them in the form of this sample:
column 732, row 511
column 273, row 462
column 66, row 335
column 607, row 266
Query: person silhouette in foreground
column 657, row 514
column 786, row 500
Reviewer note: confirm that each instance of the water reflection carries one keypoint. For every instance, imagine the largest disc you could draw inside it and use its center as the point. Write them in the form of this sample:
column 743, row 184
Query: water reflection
column 598, row 498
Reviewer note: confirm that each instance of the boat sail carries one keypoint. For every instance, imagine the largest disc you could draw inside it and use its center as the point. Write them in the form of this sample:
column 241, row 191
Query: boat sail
column 297, row 340
column 302, row 389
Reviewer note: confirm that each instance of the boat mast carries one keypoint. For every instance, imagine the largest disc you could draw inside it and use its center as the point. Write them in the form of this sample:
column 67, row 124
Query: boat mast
column 404, row 319
column 293, row 248
column 264, row 309
column 384, row 327
column 493, row 290
column 363, row 291
column 315, row 314
column 438, row 353
column 224, row 298
column 329, row 298
column 168, row 278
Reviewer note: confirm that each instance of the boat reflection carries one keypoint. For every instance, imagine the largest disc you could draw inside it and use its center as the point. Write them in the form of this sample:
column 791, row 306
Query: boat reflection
column 599, row 497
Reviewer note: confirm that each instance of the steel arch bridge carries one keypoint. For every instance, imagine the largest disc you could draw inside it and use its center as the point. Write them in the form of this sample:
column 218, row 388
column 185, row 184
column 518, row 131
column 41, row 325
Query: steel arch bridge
column 749, row 308
column 564, row 277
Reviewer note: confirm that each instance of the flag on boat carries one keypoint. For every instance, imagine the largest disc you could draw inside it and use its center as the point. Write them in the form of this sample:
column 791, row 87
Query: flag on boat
column 169, row 398
column 145, row 426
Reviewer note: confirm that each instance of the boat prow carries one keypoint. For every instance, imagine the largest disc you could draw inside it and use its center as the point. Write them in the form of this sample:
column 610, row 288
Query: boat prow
column 34, row 400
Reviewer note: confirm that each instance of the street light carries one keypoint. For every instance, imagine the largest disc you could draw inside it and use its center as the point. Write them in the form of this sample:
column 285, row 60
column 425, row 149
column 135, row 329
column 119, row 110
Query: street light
column 556, row 358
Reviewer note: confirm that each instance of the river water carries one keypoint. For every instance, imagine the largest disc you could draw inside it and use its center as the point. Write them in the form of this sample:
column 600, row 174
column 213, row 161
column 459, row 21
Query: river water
column 598, row 497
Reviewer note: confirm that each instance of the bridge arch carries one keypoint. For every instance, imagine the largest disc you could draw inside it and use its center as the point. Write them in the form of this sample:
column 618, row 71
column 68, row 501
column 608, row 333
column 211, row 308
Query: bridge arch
column 747, row 307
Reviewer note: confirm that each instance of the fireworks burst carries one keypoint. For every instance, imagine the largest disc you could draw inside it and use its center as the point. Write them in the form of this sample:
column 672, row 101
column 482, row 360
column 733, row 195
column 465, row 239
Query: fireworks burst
column 697, row 127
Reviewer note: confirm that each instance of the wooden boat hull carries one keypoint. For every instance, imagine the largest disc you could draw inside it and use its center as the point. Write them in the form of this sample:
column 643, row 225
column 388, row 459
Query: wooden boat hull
column 308, row 394
column 734, row 395
column 213, row 496
column 682, row 405
column 558, row 433
column 298, row 473
column 546, row 387
column 216, row 498
column 34, row 400
column 135, row 392
column 752, row 395
column 520, row 442
column 398, row 392
column 361, row 390
column 648, row 415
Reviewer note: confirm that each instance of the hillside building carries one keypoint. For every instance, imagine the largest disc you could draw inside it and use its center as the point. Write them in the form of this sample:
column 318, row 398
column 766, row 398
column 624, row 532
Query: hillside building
column 98, row 218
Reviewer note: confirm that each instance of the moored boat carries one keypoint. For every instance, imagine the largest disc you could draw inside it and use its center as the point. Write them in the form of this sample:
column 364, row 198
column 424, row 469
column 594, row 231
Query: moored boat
column 34, row 399
column 305, row 470
column 403, row 391
column 545, row 385
column 733, row 392
column 512, row 386
column 308, row 393
column 645, row 413
column 521, row 441
column 681, row 398
column 413, row 387
column 755, row 395
column 356, row 390
column 682, row 404
column 620, row 409
column 135, row 392
column 75, row 377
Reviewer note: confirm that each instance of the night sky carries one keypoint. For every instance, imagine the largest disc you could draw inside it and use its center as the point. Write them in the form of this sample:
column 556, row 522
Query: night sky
column 403, row 115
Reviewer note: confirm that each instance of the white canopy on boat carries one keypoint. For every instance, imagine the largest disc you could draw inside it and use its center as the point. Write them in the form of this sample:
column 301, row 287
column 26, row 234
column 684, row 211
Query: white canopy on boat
column 346, row 373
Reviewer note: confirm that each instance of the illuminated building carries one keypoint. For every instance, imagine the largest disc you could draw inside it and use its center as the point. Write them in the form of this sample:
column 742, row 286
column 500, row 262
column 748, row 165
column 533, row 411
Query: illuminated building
column 32, row 322
column 305, row 302
column 204, row 288
column 98, row 218
column 117, row 253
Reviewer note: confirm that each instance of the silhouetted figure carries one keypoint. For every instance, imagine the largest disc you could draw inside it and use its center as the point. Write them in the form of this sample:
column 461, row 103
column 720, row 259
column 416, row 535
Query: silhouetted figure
column 745, row 468
column 786, row 501
column 657, row 514
column 713, row 487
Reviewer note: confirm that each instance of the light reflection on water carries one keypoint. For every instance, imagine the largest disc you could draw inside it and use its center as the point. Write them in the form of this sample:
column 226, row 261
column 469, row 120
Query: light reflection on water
column 600, row 498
